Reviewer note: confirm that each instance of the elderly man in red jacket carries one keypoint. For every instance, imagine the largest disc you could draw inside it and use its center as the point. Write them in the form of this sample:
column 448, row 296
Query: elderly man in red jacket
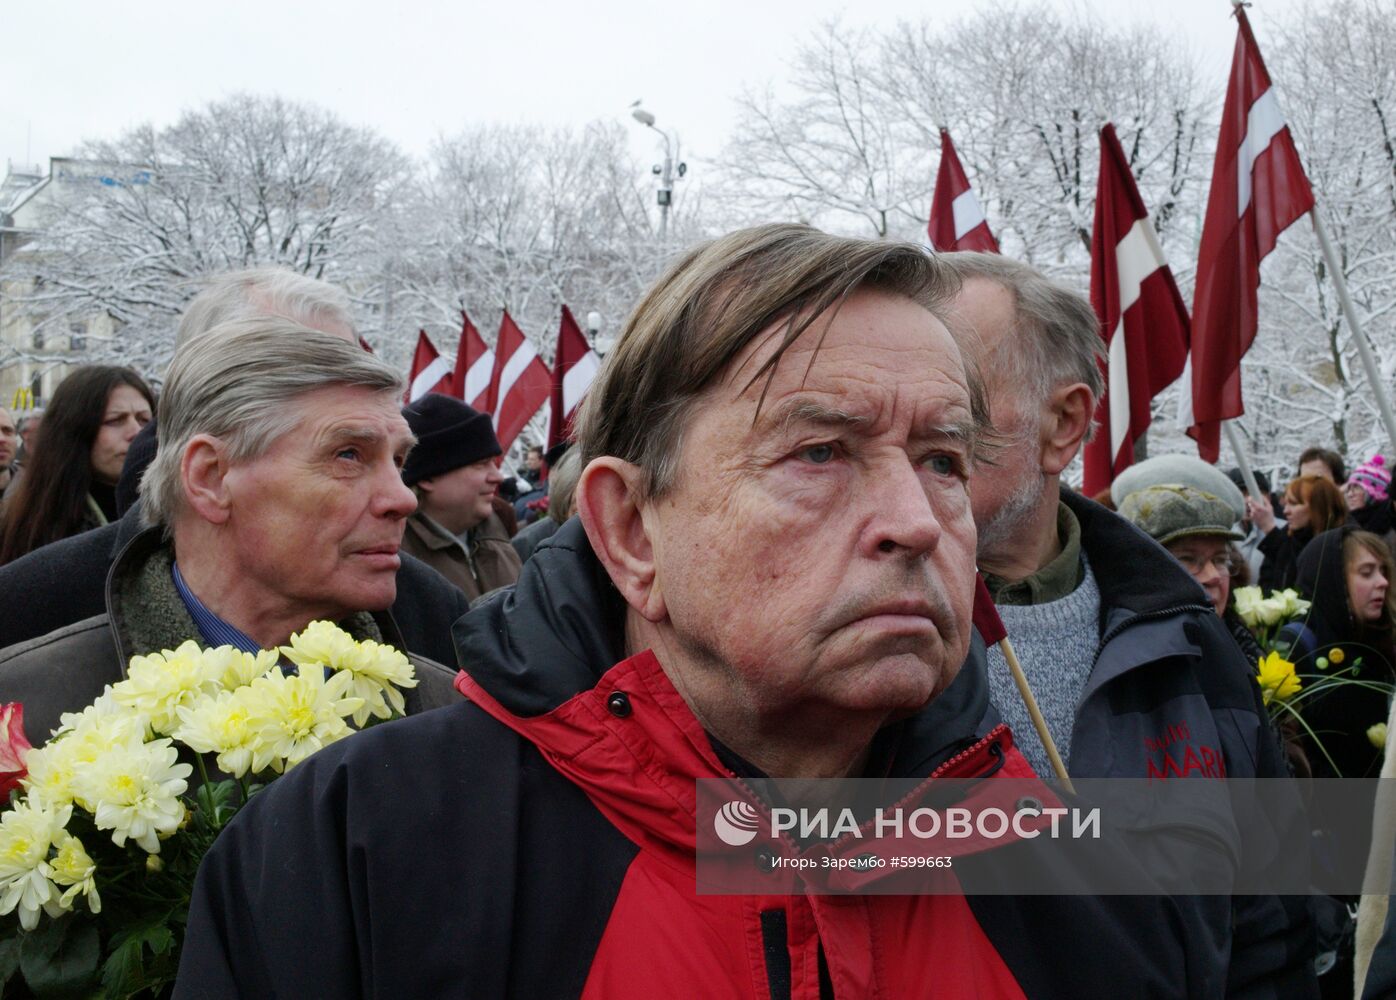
column 772, row 574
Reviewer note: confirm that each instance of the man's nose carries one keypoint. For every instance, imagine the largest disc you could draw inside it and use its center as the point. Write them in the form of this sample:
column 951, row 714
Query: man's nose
column 903, row 519
column 392, row 497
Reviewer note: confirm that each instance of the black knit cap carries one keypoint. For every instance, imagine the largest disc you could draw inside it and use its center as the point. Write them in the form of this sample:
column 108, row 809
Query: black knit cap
column 449, row 435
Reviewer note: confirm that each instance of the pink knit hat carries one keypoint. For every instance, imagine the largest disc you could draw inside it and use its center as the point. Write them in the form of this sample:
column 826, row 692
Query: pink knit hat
column 1373, row 476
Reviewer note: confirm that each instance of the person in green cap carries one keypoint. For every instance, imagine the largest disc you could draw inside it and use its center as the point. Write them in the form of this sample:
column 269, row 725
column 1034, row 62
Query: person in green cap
column 1196, row 527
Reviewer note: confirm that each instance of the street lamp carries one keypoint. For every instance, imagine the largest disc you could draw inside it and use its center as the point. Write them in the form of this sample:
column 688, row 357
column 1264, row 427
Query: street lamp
column 593, row 327
column 665, row 172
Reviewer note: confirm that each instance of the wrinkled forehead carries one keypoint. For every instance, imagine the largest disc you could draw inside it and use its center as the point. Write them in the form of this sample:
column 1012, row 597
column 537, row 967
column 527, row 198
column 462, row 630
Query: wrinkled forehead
column 878, row 353
column 344, row 414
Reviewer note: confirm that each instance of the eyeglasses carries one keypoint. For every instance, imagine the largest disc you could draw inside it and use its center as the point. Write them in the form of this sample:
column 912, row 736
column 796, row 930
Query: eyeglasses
column 1221, row 563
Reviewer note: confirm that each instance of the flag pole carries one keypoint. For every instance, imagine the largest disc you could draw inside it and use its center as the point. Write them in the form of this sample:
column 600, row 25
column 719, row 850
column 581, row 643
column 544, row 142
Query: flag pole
column 1038, row 722
column 1359, row 336
column 1238, row 449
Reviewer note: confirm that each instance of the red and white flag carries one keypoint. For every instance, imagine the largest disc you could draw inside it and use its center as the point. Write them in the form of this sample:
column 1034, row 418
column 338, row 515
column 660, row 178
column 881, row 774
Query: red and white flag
column 430, row 371
column 1142, row 317
column 957, row 218
column 574, row 366
column 520, row 379
column 1258, row 190
column 470, row 382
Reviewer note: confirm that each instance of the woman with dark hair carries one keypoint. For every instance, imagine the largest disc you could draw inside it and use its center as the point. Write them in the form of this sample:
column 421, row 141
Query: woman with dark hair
column 1312, row 505
column 69, row 484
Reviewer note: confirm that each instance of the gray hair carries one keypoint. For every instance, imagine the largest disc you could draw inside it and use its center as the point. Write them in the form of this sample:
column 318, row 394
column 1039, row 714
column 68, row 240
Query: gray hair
column 264, row 291
column 714, row 301
column 1057, row 333
column 562, row 484
column 239, row 385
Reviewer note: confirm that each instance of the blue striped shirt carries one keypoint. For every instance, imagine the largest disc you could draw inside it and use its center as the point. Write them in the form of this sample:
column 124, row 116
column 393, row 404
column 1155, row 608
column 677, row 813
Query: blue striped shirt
column 214, row 630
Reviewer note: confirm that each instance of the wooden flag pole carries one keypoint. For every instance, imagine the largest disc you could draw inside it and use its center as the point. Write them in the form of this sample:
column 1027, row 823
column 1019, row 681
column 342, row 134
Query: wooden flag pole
column 1038, row 722
column 1359, row 336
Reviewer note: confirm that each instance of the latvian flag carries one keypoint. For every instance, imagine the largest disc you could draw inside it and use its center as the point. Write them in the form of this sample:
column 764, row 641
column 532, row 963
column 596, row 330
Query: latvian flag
column 1142, row 317
column 430, row 372
column 957, row 219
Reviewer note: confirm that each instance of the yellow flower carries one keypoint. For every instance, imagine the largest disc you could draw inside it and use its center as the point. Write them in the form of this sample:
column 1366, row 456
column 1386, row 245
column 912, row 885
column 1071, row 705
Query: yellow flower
column 158, row 684
column 377, row 670
column 320, row 642
column 1336, row 655
column 1277, row 678
column 231, row 668
column 1376, row 735
column 295, row 716
column 136, row 788
column 82, row 738
column 221, row 725
column 73, row 867
column 27, row 831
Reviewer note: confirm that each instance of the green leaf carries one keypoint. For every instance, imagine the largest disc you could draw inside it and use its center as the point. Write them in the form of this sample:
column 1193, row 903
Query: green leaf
column 125, row 972
column 9, row 960
column 59, row 957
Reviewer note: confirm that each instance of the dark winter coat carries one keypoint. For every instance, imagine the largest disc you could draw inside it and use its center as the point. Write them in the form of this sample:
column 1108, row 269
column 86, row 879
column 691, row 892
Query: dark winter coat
column 1172, row 696
column 545, row 833
column 1281, row 549
column 1339, row 716
column 66, row 582
column 68, row 669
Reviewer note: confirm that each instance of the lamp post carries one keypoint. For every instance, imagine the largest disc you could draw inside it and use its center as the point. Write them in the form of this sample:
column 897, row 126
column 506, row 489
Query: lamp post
column 665, row 172
column 594, row 328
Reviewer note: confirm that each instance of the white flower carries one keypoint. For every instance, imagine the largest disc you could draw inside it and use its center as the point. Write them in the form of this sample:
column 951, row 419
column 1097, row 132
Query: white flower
column 222, row 725
column 27, row 831
column 81, row 739
column 1247, row 599
column 295, row 716
column 231, row 668
column 156, row 685
column 73, row 867
column 136, row 788
column 1271, row 611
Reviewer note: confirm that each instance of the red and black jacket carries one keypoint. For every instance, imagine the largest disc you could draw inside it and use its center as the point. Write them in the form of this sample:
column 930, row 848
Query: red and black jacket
column 539, row 842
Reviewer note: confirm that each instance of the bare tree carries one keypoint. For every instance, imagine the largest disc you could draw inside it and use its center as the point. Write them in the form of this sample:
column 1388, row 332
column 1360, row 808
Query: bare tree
column 240, row 182
column 527, row 219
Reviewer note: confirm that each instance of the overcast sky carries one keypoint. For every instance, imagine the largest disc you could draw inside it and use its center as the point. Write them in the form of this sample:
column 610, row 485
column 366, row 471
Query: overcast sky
column 79, row 68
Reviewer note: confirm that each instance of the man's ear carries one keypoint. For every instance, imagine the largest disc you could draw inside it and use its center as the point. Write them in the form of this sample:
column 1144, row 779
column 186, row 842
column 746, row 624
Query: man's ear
column 1068, row 417
column 203, row 469
column 614, row 520
column 426, row 485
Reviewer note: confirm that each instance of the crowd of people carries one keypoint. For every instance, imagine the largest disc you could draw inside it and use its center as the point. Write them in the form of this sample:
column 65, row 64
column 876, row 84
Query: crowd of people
column 758, row 558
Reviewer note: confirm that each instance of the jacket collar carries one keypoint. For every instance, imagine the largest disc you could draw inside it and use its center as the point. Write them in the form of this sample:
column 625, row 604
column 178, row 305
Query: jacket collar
column 431, row 534
column 546, row 658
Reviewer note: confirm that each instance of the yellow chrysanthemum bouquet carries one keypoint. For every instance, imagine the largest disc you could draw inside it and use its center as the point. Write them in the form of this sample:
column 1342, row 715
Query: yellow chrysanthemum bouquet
column 105, row 832
column 1286, row 688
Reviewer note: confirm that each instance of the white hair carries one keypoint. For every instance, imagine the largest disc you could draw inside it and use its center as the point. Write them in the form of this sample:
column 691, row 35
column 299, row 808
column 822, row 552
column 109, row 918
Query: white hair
column 264, row 291
column 238, row 385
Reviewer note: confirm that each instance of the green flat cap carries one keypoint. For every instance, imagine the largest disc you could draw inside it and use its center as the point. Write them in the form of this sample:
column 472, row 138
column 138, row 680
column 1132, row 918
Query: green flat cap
column 1173, row 510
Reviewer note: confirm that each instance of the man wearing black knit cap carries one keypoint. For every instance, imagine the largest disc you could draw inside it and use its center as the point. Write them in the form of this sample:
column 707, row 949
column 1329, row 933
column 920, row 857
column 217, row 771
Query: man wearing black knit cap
column 453, row 472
